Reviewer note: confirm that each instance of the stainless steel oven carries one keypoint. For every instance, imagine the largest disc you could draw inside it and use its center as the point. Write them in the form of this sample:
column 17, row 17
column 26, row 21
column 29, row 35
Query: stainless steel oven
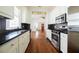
column 55, row 38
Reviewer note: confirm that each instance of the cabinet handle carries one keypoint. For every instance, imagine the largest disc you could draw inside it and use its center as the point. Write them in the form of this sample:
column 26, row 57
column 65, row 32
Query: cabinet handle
column 70, row 28
column 12, row 44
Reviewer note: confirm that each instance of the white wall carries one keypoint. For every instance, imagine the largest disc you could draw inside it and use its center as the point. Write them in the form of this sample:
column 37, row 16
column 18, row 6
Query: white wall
column 36, row 18
column 36, row 21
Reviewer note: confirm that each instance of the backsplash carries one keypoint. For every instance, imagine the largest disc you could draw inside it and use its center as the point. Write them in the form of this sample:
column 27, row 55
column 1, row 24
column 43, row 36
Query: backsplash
column 2, row 24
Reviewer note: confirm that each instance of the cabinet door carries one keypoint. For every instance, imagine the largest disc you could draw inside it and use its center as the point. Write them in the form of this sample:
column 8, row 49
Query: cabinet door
column 48, row 34
column 7, row 11
column 10, row 47
column 23, row 42
column 63, row 42
column 26, row 39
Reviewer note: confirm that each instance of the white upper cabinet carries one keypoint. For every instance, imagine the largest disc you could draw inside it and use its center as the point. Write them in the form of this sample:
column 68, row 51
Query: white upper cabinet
column 24, row 15
column 7, row 11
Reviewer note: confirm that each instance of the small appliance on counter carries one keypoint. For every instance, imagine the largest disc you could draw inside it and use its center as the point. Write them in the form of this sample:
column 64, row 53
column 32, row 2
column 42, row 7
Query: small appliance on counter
column 51, row 26
column 25, row 26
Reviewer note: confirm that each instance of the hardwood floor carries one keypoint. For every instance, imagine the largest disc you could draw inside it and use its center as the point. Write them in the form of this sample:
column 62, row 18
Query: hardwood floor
column 39, row 44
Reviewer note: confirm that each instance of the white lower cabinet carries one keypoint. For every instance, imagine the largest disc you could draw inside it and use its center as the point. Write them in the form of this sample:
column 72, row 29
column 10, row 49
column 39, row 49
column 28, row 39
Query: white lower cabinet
column 63, row 42
column 10, row 47
column 16, row 45
column 23, row 42
column 48, row 34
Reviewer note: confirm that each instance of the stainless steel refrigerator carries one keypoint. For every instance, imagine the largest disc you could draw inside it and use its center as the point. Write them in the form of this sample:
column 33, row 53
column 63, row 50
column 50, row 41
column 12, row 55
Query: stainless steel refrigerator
column 73, row 29
column 73, row 39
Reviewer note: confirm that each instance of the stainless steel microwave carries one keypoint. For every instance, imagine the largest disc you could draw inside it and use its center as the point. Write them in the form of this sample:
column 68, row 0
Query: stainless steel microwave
column 61, row 19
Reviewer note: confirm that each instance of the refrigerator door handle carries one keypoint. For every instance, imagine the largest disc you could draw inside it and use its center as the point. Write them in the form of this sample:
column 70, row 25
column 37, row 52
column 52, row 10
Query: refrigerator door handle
column 70, row 28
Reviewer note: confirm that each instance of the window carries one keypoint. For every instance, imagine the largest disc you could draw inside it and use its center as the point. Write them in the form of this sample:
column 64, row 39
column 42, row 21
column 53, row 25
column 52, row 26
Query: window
column 15, row 22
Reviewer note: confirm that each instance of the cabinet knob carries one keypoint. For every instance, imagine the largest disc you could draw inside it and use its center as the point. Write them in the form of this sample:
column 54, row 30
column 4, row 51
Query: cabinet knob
column 12, row 44
column 70, row 28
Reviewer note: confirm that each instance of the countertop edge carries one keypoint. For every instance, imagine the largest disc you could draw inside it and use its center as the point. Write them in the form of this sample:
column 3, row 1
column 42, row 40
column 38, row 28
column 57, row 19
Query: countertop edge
column 13, row 38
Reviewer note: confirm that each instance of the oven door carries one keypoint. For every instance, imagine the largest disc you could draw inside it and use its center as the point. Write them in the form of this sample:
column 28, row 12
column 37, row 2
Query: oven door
column 55, row 39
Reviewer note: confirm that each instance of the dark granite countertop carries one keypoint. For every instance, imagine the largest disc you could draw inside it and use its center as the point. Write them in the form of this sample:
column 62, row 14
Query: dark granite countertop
column 9, row 35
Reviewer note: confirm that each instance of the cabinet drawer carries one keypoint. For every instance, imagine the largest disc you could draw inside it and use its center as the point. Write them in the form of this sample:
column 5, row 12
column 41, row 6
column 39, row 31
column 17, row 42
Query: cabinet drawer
column 63, row 35
column 7, row 47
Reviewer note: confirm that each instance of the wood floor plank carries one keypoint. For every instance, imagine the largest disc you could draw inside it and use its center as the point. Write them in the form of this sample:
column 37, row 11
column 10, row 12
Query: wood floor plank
column 40, row 44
